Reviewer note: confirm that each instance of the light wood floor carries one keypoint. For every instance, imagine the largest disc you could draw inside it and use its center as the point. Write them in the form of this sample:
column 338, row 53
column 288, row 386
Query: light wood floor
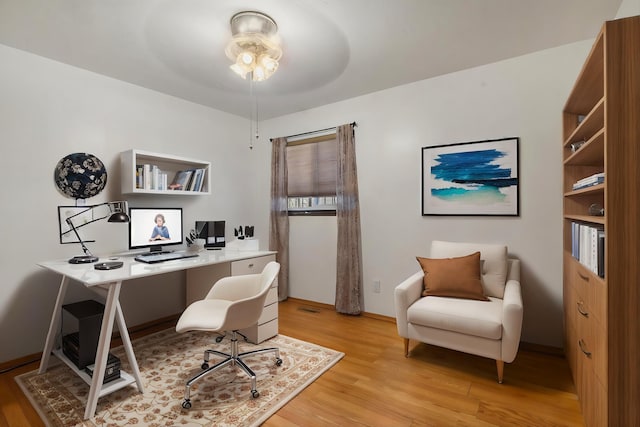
column 375, row 385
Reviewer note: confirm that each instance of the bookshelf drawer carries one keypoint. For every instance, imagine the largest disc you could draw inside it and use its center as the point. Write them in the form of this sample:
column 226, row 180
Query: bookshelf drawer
column 592, row 346
column 591, row 291
column 598, row 299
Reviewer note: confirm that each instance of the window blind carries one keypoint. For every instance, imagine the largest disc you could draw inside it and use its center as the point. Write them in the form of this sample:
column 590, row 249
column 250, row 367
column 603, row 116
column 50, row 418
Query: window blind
column 312, row 167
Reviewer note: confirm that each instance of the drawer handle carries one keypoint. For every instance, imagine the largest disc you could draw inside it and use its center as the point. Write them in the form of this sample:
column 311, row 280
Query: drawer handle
column 584, row 313
column 251, row 265
column 582, row 346
column 583, row 277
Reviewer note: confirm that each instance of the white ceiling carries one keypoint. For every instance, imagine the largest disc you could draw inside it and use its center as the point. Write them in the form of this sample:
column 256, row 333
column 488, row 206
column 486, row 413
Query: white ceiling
column 333, row 49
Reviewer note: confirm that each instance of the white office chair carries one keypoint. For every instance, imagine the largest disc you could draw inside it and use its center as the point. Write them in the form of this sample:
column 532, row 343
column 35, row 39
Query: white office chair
column 233, row 303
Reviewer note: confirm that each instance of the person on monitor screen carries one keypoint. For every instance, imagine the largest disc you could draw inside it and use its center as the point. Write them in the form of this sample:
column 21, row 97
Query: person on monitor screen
column 160, row 231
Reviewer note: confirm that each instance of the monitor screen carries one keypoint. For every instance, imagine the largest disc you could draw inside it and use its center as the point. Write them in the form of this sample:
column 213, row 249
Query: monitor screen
column 154, row 227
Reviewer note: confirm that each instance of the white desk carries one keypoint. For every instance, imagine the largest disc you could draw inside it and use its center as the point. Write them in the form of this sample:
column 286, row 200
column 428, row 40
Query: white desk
column 107, row 283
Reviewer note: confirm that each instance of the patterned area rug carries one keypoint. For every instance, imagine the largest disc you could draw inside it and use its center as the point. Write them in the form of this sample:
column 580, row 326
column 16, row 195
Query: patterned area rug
column 167, row 360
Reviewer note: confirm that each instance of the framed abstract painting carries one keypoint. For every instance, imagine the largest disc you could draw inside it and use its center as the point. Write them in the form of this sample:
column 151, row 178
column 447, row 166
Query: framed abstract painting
column 471, row 178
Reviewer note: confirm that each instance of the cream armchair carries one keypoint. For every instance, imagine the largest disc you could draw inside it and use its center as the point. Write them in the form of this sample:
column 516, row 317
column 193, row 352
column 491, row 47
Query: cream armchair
column 485, row 328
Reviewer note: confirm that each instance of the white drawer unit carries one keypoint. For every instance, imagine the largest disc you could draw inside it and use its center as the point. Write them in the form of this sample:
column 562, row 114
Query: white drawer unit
column 200, row 280
column 267, row 325
column 251, row 265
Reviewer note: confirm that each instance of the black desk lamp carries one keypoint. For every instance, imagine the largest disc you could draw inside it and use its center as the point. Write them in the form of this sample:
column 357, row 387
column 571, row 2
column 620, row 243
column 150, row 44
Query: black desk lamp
column 117, row 212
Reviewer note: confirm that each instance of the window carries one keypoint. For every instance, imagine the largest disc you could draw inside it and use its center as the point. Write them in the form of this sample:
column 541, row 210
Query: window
column 312, row 171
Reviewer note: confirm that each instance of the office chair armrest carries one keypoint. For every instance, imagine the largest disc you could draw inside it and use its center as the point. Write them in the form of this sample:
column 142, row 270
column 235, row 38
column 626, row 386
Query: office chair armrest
column 235, row 288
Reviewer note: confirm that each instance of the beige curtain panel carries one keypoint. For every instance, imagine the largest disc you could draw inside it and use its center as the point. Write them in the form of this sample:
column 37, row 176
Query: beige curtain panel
column 349, row 287
column 279, row 214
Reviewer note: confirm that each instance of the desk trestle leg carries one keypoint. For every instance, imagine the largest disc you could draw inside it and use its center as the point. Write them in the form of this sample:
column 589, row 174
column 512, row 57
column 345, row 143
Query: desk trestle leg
column 53, row 326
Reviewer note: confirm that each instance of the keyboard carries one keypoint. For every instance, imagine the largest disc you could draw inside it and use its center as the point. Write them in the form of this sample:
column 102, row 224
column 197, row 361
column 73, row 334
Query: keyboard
column 161, row 257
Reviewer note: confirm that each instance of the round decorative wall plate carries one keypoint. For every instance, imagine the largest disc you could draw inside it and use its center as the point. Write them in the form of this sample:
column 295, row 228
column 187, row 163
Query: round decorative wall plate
column 80, row 175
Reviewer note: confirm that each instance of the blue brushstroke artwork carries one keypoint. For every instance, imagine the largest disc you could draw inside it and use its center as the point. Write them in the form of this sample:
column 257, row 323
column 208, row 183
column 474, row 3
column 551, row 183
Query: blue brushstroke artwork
column 478, row 175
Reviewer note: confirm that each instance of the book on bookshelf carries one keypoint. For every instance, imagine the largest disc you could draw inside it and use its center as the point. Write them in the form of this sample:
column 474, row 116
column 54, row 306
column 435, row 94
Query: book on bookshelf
column 589, row 181
column 601, row 253
column 588, row 245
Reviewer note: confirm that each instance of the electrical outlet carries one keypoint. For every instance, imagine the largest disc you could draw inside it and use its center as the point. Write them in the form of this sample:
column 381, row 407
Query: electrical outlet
column 376, row 286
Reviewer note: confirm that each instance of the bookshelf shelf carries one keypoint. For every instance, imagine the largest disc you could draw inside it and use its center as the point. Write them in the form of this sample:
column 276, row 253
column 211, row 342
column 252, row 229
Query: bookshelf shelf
column 138, row 175
column 594, row 189
column 599, row 220
column 600, row 136
column 590, row 153
column 593, row 122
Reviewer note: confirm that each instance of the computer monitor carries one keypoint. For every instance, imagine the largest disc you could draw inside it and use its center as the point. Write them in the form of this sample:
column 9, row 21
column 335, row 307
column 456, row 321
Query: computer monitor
column 154, row 228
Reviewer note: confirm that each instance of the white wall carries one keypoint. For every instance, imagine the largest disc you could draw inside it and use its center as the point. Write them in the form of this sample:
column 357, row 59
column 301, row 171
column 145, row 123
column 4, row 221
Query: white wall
column 521, row 97
column 628, row 8
column 49, row 110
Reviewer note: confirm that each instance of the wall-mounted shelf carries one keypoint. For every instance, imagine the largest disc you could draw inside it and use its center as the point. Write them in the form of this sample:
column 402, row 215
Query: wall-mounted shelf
column 142, row 173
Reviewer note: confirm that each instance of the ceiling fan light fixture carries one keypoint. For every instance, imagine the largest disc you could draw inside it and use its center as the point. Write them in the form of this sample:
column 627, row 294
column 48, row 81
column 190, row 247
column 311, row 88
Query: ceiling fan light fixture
column 241, row 71
column 254, row 46
column 270, row 64
column 259, row 74
column 247, row 58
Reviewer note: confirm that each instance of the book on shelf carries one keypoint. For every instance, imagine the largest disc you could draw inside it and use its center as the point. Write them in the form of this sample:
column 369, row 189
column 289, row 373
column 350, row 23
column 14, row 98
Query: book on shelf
column 589, row 181
column 150, row 177
column 146, row 176
column 601, row 253
column 139, row 177
column 588, row 246
column 188, row 180
column 192, row 181
column 196, row 184
column 155, row 177
column 181, row 180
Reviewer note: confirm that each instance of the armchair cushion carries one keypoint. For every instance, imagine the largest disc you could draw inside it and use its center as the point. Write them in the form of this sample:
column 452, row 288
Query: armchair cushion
column 494, row 266
column 453, row 277
column 469, row 317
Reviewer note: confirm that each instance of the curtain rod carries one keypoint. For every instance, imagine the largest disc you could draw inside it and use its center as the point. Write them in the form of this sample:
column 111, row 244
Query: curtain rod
column 354, row 124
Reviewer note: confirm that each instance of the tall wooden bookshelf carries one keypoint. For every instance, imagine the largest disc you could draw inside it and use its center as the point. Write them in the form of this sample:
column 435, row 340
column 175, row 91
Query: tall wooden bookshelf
column 601, row 134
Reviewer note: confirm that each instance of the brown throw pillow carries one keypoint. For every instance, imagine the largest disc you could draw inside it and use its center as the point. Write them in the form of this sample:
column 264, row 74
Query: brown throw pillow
column 453, row 277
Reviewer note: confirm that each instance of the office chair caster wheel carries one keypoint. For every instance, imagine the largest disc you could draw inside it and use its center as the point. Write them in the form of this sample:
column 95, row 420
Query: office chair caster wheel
column 255, row 394
column 204, row 366
column 278, row 362
column 186, row 404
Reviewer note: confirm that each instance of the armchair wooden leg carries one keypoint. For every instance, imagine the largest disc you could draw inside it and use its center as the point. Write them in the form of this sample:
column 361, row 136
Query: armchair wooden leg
column 406, row 347
column 500, row 366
